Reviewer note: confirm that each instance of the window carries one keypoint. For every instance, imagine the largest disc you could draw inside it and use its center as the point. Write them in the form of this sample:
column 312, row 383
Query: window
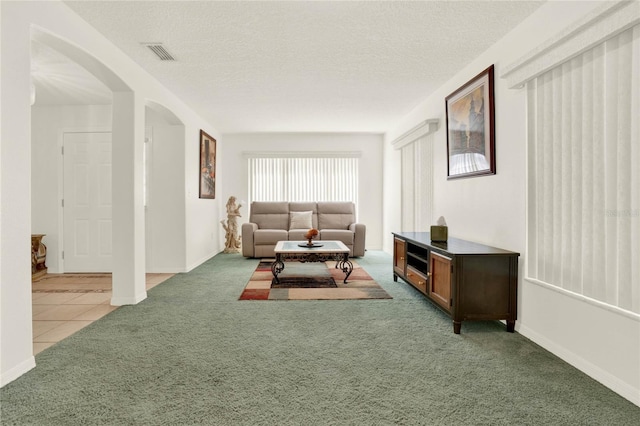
column 416, row 181
column 417, row 184
column 303, row 178
column 584, row 185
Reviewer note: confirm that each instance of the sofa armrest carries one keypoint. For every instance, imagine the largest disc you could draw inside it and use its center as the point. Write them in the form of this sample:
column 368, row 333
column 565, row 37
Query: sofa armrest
column 359, row 235
column 248, row 249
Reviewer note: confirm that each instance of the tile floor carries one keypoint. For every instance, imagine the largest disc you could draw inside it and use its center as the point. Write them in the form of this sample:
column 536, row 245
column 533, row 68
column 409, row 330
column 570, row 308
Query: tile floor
column 57, row 315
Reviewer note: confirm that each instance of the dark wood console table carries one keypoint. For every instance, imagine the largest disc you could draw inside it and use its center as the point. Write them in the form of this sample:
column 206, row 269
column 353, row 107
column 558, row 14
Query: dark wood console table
column 469, row 281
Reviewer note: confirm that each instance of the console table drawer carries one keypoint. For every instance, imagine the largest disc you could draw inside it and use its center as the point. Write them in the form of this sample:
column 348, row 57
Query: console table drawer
column 417, row 278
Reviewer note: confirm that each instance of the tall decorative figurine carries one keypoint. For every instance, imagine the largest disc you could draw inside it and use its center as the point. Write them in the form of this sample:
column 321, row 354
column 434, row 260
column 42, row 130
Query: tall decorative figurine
column 232, row 239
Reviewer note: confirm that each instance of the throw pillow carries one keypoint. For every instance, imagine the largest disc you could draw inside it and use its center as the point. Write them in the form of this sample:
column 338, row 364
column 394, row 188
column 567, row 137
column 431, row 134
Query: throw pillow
column 300, row 220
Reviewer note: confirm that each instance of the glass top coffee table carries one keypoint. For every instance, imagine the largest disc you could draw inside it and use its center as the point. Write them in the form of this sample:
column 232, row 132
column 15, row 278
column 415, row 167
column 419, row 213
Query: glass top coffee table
column 321, row 251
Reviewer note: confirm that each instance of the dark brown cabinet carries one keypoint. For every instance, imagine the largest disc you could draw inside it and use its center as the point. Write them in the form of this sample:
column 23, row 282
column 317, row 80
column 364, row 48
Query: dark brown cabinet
column 469, row 281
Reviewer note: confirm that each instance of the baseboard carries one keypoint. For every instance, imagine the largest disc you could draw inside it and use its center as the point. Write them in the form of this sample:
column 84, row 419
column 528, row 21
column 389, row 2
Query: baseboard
column 199, row 262
column 591, row 370
column 120, row 301
column 17, row 371
column 166, row 271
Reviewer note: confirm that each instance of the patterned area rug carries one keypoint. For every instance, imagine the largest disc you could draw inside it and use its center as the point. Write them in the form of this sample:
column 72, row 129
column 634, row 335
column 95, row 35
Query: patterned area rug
column 311, row 281
column 305, row 282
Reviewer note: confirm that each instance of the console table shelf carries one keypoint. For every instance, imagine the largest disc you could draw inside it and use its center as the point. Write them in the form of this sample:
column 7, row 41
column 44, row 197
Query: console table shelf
column 469, row 281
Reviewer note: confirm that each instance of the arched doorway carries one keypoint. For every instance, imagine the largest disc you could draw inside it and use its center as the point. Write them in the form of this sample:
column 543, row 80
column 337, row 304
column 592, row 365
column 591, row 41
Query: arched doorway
column 127, row 211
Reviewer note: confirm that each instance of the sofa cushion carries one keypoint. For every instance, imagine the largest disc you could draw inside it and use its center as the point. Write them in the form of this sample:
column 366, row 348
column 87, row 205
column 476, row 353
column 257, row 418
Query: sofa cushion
column 337, row 235
column 270, row 215
column 269, row 236
column 298, row 234
column 335, row 215
column 300, row 220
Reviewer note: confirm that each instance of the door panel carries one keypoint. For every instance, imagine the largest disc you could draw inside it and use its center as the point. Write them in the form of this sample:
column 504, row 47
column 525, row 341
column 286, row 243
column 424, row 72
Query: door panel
column 399, row 256
column 87, row 202
column 440, row 284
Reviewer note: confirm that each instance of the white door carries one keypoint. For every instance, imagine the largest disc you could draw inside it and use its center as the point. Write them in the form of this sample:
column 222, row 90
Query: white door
column 87, row 202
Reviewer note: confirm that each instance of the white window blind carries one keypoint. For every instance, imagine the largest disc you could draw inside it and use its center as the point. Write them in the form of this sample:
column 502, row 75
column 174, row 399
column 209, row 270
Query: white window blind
column 584, row 184
column 417, row 183
column 303, row 179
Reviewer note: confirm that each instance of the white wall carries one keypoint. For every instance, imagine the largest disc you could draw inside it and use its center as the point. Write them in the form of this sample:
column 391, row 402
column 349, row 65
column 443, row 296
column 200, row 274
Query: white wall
column 233, row 166
column 165, row 211
column 183, row 229
column 18, row 19
column 392, row 194
column 15, row 205
column 491, row 210
column 204, row 236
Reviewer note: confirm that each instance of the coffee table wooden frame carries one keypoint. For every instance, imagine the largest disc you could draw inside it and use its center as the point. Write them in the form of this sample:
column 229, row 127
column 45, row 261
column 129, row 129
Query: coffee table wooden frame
column 330, row 250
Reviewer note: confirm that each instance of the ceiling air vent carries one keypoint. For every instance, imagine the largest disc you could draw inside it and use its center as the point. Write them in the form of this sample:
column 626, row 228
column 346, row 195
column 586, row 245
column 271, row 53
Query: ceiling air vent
column 160, row 51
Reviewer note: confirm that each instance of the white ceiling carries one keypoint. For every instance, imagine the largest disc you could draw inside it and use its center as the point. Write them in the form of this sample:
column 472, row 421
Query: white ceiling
column 345, row 66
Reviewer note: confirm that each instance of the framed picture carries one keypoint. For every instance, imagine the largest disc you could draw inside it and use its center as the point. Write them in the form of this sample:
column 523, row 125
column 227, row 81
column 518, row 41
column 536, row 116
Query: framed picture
column 470, row 128
column 207, row 166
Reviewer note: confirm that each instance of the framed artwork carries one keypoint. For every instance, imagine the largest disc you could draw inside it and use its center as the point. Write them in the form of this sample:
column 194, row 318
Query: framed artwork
column 207, row 166
column 470, row 114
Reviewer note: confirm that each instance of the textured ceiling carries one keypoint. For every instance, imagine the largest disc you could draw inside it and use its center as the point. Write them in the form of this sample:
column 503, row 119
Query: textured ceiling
column 304, row 66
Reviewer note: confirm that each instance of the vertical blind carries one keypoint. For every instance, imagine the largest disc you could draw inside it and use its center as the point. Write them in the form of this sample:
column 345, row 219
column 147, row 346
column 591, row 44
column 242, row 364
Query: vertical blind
column 408, row 179
column 303, row 179
column 584, row 184
column 417, row 183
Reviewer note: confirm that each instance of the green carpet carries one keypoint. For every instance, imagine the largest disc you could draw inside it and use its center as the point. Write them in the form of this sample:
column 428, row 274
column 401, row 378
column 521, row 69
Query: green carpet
column 193, row 354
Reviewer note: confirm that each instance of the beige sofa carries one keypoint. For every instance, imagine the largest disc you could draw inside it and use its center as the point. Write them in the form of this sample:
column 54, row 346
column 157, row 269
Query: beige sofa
column 270, row 222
